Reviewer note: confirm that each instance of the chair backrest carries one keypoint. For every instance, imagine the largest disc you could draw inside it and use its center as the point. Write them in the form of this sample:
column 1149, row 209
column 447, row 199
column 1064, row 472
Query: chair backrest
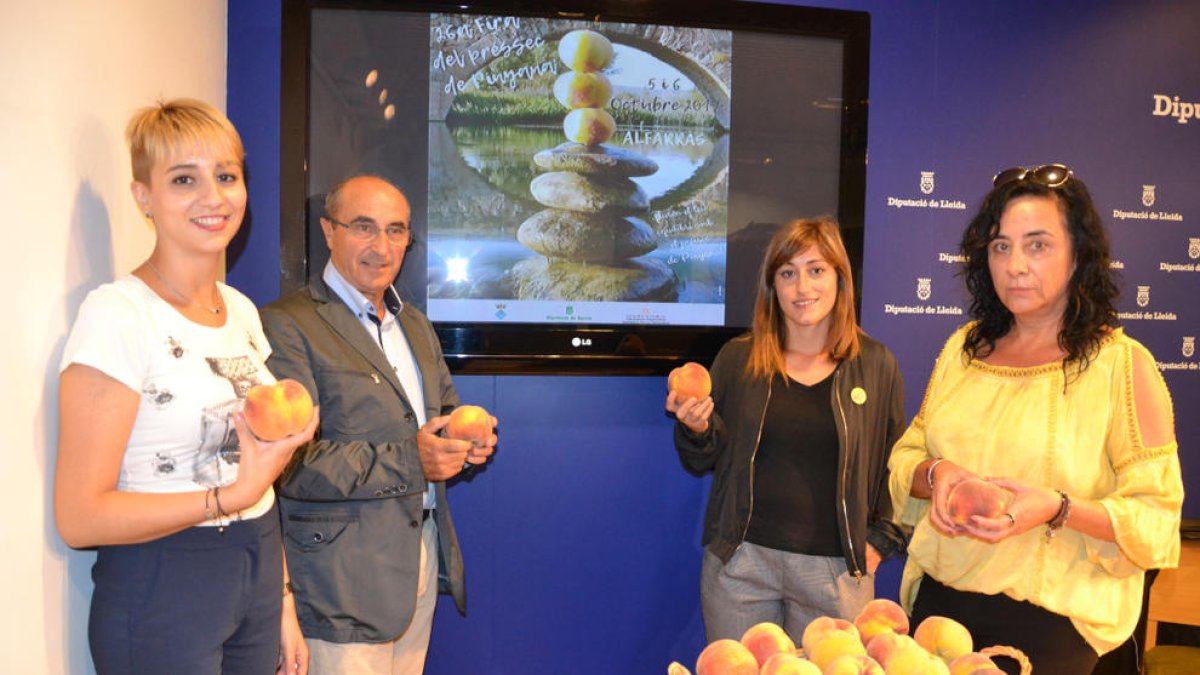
column 1175, row 595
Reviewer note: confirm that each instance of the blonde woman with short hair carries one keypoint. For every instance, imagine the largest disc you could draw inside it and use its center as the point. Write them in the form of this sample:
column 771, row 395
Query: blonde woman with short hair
column 156, row 468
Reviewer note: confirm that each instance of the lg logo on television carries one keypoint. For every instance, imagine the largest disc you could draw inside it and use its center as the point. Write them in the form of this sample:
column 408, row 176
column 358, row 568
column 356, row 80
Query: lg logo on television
column 581, row 342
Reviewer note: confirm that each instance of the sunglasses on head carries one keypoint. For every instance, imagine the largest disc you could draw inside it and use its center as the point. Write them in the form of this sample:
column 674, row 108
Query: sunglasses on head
column 1050, row 175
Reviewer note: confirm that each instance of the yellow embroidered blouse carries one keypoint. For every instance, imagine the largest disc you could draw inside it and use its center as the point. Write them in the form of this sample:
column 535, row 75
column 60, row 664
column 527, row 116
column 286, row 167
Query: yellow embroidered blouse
column 1022, row 423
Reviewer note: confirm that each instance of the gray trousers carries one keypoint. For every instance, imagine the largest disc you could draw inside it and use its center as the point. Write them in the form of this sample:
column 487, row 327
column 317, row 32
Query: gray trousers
column 790, row 589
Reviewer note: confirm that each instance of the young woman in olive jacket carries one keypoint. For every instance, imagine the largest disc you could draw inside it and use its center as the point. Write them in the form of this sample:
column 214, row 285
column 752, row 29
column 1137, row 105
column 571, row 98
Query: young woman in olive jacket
column 803, row 413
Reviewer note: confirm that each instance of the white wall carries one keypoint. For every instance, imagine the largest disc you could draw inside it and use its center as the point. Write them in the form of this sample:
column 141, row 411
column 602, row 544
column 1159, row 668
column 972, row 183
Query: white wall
column 71, row 73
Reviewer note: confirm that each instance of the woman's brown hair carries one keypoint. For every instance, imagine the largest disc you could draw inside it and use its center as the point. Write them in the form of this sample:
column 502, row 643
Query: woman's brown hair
column 768, row 334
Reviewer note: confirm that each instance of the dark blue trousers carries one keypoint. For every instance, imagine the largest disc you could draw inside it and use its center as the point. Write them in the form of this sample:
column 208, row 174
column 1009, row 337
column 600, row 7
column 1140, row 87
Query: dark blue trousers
column 194, row 603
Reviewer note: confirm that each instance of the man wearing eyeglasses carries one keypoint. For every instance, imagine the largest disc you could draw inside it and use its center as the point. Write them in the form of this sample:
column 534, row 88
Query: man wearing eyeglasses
column 367, row 529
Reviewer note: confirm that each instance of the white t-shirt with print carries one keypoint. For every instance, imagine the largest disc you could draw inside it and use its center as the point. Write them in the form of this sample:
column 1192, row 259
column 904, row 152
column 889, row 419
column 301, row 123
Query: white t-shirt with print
column 191, row 378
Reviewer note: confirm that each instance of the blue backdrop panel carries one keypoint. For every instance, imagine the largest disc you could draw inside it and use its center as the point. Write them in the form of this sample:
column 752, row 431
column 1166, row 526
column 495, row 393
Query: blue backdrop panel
column 252, row 102
column 581, row 539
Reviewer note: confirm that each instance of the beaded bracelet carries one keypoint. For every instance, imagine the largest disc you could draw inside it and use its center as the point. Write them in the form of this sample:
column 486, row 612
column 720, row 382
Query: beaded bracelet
column 1064, row 511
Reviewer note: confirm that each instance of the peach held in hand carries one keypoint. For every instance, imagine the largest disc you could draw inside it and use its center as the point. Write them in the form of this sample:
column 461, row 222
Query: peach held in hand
column 726, row 657
column 582, row 90
column 690, row 380
column 470, row 423
column 974, row 497
column 767, row 639
column 944, row 637
column 275, row 411
column 590, row 126
column 585, row 51
column 789, row 664
column 881, row 616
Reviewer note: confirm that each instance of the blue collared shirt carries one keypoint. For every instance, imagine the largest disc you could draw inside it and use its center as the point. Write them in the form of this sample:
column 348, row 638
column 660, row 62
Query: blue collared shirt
column 387, row 332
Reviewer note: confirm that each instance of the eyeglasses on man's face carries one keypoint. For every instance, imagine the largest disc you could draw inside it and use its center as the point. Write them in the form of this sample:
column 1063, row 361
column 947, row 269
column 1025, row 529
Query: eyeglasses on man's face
column 1050, row 175
column 363, row 230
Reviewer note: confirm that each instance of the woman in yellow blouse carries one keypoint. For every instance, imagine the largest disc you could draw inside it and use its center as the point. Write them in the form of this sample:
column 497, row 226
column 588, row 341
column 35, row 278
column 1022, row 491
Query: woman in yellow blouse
column 1044, row 395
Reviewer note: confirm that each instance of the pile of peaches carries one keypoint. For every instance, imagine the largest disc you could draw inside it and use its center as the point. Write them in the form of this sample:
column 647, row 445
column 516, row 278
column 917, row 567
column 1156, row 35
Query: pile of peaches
column 875, row 643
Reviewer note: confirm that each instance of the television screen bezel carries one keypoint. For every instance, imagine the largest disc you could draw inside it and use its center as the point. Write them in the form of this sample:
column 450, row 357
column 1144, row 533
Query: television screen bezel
column 574, row 349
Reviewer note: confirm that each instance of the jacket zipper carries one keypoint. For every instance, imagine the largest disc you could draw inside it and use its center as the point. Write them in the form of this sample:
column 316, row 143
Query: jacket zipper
column 754, row 453
column 845, row 432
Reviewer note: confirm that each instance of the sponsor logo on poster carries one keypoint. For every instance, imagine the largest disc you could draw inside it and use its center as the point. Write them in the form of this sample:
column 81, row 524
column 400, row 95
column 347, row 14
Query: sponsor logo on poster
column 568, row 315
column 1194, row 248
column 646, row 316
column 1147, row 196
column 1143, row 296
column 1189, row 346
column 924, row 288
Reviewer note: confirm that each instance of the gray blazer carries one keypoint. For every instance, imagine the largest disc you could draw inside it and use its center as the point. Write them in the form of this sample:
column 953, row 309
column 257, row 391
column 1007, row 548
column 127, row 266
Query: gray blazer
column 351, row 501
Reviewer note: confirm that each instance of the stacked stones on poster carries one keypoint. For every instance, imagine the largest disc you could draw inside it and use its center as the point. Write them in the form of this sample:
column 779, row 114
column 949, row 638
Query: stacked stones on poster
column 591, row 234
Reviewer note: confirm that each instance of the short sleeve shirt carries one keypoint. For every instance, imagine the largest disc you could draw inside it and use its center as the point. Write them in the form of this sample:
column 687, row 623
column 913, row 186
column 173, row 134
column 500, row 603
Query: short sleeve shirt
column 190, row 378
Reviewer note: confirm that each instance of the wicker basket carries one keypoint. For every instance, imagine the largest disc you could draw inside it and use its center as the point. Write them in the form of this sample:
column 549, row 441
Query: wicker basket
column 1012, row 653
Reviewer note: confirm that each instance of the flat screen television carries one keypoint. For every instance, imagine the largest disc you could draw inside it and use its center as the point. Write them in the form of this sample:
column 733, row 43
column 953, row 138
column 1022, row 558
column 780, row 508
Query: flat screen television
column 592, row 183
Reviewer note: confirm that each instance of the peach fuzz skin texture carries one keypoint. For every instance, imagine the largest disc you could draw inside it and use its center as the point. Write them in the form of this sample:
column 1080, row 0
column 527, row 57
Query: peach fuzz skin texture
column 275, row 411
column 470, row 423
column 691, row 380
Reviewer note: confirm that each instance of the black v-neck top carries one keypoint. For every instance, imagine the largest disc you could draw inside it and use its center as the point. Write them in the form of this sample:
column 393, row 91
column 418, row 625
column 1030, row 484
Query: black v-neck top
column 795, row 472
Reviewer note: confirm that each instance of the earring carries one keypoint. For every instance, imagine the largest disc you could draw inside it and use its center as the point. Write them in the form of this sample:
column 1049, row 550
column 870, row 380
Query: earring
column 148, row 216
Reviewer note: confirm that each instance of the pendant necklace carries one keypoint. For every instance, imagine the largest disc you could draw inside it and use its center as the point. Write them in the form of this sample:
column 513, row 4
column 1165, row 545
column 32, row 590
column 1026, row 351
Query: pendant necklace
column 189, row 301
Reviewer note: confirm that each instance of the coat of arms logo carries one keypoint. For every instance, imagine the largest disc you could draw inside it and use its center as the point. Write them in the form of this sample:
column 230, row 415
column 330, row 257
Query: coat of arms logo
column 1147, row 195
column 924, row 289
column 927, row 182
column 1143, row 296
column 1189, row 346
column 1194, row 247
